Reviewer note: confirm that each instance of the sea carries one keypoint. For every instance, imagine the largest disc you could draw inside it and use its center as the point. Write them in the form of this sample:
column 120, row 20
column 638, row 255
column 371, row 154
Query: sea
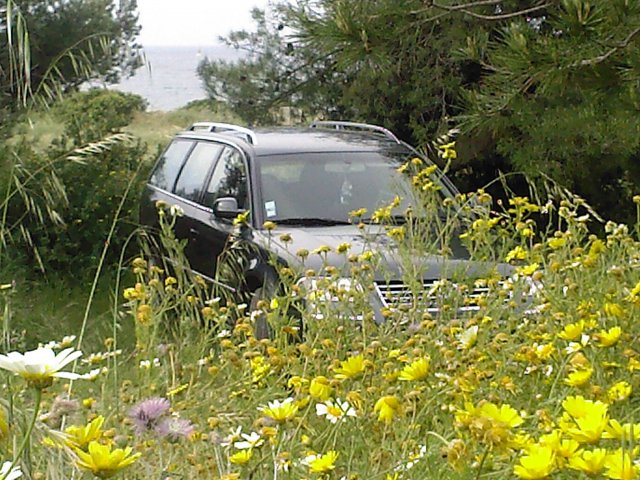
column 168, row 79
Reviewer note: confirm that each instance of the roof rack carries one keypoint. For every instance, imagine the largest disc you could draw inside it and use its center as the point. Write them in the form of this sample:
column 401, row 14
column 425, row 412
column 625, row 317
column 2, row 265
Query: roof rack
column 215, row 127
column 356, row 126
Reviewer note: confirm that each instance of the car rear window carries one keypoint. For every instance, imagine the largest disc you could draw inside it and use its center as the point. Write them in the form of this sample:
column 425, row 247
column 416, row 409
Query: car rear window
column 168, row 166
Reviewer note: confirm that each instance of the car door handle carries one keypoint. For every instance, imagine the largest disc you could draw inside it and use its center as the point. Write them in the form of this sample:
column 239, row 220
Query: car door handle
column 194, row 232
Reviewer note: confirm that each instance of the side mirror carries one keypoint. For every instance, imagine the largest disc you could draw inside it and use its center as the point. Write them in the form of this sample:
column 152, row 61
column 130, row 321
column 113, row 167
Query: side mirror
column 226, row 207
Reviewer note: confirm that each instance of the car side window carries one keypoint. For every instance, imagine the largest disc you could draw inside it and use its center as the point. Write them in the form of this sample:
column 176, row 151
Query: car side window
column 194, row 172
column 168, row 166
column 229, row 179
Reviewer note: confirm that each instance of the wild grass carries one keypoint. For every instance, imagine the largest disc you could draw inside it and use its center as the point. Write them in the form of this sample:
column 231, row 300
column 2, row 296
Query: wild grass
column 154, row 128
column 538, row 380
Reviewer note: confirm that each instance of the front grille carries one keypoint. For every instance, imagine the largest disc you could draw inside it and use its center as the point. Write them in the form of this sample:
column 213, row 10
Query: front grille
column 431, row 295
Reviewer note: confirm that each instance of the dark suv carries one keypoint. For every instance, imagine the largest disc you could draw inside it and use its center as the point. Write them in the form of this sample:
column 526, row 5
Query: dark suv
column 306, row 181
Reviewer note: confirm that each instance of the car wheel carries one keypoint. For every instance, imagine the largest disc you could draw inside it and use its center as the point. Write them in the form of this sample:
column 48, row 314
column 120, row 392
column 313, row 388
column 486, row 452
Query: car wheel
column 261, row 328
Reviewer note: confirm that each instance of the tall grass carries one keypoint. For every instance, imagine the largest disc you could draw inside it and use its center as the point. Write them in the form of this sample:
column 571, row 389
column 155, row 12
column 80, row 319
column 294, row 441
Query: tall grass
column 537, row 381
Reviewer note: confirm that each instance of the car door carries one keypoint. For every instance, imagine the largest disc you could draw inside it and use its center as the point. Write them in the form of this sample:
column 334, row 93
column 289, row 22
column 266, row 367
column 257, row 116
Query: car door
column 161, row 184
column 210, row 234
column 189, row 186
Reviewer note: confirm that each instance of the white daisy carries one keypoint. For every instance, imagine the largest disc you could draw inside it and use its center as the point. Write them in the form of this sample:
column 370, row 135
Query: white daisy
column 234, row 435
column 39, row 366
column 335, row 410
column 253, row 440
column 8, row 473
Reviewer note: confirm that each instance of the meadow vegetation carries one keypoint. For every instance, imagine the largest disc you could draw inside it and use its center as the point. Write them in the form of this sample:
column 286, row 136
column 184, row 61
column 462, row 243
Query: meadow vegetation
column 115, row 365
column 539, row 381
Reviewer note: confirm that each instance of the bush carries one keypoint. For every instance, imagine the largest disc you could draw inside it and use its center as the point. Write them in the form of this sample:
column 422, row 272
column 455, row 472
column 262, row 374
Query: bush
column 89, row 116
column 93, row 165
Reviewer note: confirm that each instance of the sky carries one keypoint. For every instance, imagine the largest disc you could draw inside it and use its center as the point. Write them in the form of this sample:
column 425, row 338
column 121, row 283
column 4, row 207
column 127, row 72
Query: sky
column 193, row 22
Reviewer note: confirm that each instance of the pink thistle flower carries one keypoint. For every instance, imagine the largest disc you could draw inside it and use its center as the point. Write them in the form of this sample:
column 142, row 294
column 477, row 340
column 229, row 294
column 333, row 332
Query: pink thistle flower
column 174, row 428
column 148, row 413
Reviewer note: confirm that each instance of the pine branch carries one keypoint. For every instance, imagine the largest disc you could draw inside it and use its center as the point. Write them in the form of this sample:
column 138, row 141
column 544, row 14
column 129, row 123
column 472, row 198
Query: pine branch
column 602, row 58
column 504, row 16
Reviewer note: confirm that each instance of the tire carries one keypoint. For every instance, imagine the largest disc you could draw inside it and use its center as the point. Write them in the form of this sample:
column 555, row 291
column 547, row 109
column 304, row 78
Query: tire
column 261, row 328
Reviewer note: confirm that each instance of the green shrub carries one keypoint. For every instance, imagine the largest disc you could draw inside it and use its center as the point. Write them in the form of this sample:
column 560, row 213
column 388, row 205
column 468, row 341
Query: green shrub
column 94, row 165
column 89, row 116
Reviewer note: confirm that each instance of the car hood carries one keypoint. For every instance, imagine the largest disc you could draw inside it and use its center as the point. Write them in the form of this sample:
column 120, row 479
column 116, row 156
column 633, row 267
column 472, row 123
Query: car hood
column 372, row 238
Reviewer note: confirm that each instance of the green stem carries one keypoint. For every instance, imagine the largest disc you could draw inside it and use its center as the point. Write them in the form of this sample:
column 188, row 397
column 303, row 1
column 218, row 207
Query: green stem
column 27, row 435
column 482, row 460
column 101, row 263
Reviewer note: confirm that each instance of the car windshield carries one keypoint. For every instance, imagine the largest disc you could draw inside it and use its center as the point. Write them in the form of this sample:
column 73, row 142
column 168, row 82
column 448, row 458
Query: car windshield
column 325, row 187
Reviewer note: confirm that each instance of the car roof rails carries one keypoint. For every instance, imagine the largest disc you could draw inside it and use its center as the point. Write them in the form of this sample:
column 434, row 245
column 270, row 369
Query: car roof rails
column 216, row 127
column 356, row 126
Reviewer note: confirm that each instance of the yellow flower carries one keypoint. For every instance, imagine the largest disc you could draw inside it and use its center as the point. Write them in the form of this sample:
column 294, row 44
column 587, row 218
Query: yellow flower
column 566, row 449
column 589, row 428
column 81, row 436
column 578, row 407
column 131, row 294
column 539, row 463
column 619, row 391
column 590, row 462
column 504, row 414
column 343, row 247
column 626, row 432
column 230, row 476
column 320, row 388
column 416, row 370
column 489, row 422
column 613, row 310
column 352, row 367
column 397, row 233
column 572, row 331
column 556, row 242
column 528, row 270
column 269, row 225
column 241, row 457
column 518, row 253
column 355, row 399
column 242, row 218
column 633, row 365
column 259, row 368
column 552, row 440
column 361, row 212
column 449, row 151
column 298, row 383
column 321, row 463
column 456, row 452
column 620, row 466
column 579, row 377
column 634, row 295
column 321, row 250
column 280, row 411
column 387, row 407
column 103, row 462
column 608, row 338
column 543, row 352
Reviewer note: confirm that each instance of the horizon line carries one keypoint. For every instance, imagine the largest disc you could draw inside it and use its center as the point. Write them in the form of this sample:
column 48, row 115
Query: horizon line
column 200, row 45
